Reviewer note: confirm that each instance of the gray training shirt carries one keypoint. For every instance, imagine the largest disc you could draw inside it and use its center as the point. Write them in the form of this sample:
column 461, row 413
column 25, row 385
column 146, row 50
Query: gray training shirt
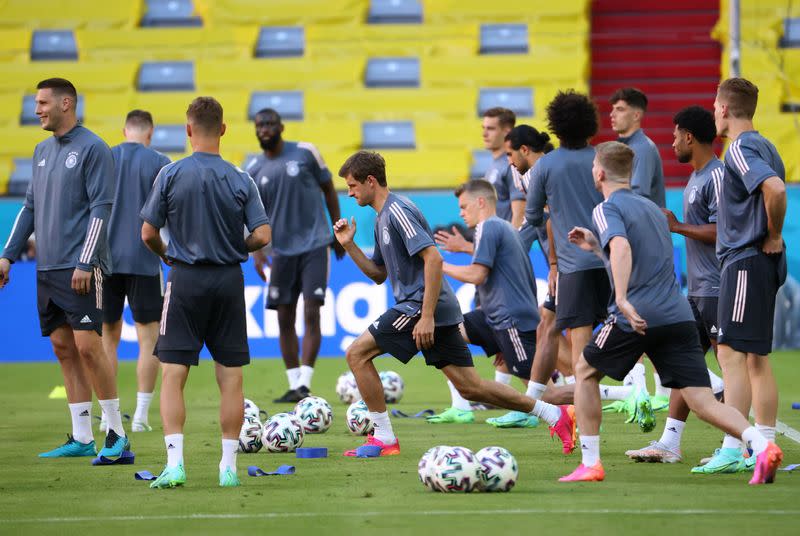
column 508, row 295
column 500, row 176
column 206, row 202
column 562, row 179
column 289, row 185
column 527, row 232
column 700, row 208
column 67, row 204
column 652, row 288
column 648, row 171
column 741, row 216
column 401, row 232
column 135, row 170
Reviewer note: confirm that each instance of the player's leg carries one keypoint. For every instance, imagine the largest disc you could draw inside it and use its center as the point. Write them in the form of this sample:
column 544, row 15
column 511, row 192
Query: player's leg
column 79, row 396
column 315, row 267
column 147, row 366
column 231, row 413
column 765, row 394
column 173, row 418
column 112, row 333
column 282, row 295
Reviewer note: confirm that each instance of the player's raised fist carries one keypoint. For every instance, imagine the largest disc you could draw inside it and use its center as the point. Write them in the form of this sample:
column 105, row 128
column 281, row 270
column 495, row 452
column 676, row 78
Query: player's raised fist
column 344, row 231
column 5, row 268
column 583, row 238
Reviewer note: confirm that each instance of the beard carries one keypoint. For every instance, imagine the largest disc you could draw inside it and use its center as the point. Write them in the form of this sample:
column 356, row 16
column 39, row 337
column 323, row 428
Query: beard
column 684, row 158
column 269, row 144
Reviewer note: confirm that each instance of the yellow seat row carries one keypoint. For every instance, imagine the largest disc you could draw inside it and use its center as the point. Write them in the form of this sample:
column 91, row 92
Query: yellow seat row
column 61, row 14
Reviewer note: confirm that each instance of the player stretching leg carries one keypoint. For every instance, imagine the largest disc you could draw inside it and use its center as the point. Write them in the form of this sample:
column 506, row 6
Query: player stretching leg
column 426, row 315
column 67, row 205
column 136, row 271
column 752, row 206
column 206, row 202
column 649, row 315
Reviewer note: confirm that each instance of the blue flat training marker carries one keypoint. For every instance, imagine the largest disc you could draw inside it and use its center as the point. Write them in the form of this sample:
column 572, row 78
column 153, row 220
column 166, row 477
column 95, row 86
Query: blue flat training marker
column 254, row 470
column 127, row 458
column 795, row 405
column 419, row 415
column 312, row 452
column 790, row 467
column 368, row 451
column 144, row 475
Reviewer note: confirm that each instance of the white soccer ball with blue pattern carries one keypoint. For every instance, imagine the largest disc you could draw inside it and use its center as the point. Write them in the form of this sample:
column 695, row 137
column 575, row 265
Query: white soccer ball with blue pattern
column 393, row 386
column 347, row 388
column 499, row 470
column 357, row 419
column 425, row 466
column 250, row 435
column 315, row 414
column 456, row 469
column 252, row 410
column 282, row 433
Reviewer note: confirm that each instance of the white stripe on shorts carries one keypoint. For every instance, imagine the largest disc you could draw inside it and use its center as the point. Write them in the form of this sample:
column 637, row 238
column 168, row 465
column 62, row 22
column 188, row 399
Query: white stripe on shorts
column 740, row 297
column 162, row 330
column 602, row 335
column 519, row 349
column 98, row 287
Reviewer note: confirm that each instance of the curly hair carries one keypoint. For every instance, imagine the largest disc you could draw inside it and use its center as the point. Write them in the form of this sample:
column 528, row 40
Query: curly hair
column 573, row 118
column 698, row 121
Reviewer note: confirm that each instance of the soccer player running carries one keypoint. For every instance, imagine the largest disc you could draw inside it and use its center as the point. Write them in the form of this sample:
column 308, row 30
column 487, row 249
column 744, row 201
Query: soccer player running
column 206, row 202
column 750, row 248
column 67, row 205
column 649, row 315
column 426, row 315
column 694, row 134
column 136, row 270
column 290, row 177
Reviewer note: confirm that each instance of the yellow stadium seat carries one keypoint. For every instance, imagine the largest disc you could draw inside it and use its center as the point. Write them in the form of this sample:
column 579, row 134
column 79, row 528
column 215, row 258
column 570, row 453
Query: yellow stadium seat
column 20, row 141
column 278, row 73
column 61, row 14
column 504, row 70
column 107, row 76
column 15, row 44
column 283, row 12
column 509, row 11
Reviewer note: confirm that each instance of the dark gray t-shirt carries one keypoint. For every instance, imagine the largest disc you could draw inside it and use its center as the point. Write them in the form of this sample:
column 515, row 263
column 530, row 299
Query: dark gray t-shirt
column 289, row 185
column 527, row 232
column 206, row 202
column 500, row 175
column 73, row 176
column 562, row 179
column 741, row 217
column 401, row 232
column 648, row 172
column 135, row 170
column 700, row 208
column 652, row 288
column 508, row 295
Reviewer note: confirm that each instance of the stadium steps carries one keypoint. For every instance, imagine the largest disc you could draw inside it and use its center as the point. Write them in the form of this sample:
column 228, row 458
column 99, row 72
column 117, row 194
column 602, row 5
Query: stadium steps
column 663, row 48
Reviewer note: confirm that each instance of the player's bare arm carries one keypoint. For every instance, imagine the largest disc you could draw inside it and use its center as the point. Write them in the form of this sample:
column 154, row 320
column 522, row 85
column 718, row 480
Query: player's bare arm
column 471, row 273
column 423, row 331
column 774, row 192
column 621, row 266
column 5, row 269
column 517, row 213
column 152, row 239
column 585, row 239
column 332, row 202
column 552, row 260
column 260, row 237
column 454, row 242
column 344, row 232
column 706, row 233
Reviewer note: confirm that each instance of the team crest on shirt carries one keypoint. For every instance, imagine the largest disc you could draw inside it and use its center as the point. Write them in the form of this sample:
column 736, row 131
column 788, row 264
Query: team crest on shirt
column 72, row 160
column 492, row 176
column 385, row 235
column 693, row 194
column 264, row 180
column 292, row 168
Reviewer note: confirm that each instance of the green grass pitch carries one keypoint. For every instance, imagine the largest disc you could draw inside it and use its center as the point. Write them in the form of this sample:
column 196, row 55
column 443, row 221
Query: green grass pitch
column 339, row 495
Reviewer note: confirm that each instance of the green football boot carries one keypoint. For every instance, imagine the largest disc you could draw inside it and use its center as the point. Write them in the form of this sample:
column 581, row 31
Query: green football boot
column 228, row 479
column 71, row 449
column 725, row 460
column 170, row 477
column 659, row 403
column 452, row 415
column 643, row 412
column 514, row 419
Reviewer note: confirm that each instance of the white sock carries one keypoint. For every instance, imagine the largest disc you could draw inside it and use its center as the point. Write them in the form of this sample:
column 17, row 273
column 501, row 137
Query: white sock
column 767, row 431
column 730, row 442
column 174, row 444
column 458, row 401
column 502, row 377
column 615, row 392
column 717, row 385
column 142, row 407
column 535, row 390
column 547, row 412
column 229, row 448
column 383, row 427
column 671, row 436
column 306, row 373
column 293, row 375
column 660, row 389
column 81, row 413
column 754, row 440
column 569, row 380
column 111, row 408
column 590, row 449
column 637, row 376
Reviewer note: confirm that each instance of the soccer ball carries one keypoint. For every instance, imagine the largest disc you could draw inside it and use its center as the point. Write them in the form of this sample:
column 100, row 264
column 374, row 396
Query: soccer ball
column 250, row 435
column 315, row 414
column 455, row 469
column 347, row 388
column 499, row 469
column 282, row 433
column 392, row 386
column 252, row 410
column 425, row 466
column 358, row 421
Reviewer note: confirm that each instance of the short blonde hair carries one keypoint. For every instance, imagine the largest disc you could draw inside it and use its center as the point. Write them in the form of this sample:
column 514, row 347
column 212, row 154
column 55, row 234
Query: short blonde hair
column 616, row 159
